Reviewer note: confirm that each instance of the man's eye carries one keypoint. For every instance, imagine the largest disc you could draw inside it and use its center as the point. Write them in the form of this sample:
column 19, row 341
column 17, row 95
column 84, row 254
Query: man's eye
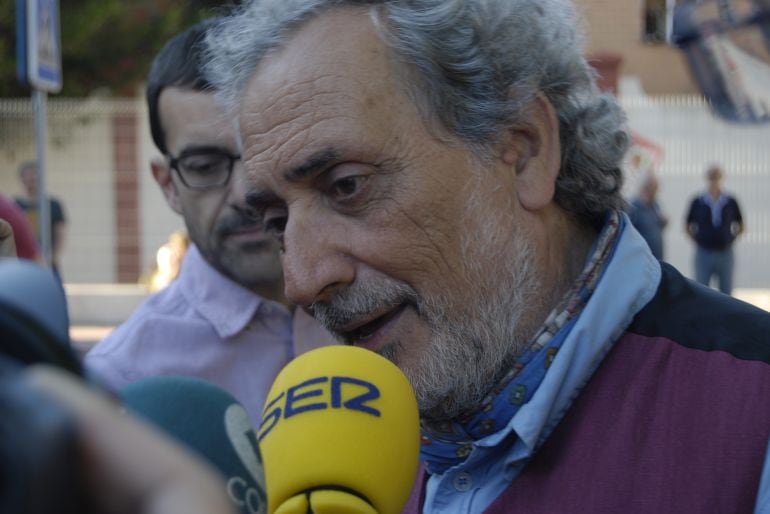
column 345, row 188
column 275, row 220
column 202, row 164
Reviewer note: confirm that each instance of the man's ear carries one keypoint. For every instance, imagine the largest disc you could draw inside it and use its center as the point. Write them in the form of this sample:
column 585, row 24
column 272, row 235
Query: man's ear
column 162, row 174
column 533, row 152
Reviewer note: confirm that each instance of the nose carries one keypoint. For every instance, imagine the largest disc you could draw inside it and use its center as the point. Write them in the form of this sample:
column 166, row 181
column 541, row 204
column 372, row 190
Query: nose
column 239, row 189
column 317, row 261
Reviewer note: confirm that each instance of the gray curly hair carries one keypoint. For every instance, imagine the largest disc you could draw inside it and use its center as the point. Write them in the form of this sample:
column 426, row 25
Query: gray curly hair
column 478, row 64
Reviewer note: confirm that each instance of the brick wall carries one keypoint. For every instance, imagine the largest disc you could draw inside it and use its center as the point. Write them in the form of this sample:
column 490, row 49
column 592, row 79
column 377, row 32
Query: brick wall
column 616, row 26
column 125, row 167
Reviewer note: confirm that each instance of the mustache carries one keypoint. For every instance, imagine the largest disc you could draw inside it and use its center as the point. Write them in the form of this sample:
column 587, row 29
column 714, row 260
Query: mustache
column 359, row 299
column 238, row 220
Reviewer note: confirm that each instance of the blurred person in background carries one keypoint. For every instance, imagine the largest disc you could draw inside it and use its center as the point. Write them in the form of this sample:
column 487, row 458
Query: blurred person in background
column 7, row 243
column 23, row 238
column 224, row 318
column 28, row 203
column 714, row 222
column 645, row 213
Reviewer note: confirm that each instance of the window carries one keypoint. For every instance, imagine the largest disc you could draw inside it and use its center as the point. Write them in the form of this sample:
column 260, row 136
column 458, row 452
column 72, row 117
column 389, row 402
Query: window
column 657, row 20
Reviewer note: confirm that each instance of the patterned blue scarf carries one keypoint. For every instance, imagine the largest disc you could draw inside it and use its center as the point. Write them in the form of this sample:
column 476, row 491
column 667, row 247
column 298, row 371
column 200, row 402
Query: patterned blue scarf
column 449, row 443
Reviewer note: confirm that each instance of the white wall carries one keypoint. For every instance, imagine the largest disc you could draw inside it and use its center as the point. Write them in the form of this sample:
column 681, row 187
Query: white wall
column 691, row 138
column 156, row 219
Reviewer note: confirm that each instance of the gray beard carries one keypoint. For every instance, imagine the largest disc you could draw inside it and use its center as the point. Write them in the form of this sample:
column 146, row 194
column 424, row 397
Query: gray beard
column 472, row 348
column 478, row 333
column 471, row 353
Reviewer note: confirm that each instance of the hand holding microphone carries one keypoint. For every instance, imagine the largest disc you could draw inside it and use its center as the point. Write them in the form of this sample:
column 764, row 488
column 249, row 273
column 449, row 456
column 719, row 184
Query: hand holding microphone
column 339, row 435
column 80, row 449
column 67, row 425
column 127, row 467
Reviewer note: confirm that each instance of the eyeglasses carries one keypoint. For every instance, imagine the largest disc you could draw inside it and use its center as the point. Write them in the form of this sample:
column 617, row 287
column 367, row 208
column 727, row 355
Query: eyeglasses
column 204, row 168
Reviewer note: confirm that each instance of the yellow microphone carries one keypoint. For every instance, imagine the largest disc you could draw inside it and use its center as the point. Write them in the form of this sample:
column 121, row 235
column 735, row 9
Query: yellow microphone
column 340, row 434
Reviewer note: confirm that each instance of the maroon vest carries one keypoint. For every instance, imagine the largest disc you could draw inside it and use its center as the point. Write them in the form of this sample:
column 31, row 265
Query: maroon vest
column 659, row 428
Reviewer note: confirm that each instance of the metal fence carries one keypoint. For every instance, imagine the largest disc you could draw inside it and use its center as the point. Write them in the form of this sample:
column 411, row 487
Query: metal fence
column 87, row 153
column 85, row 147
column 691, row 138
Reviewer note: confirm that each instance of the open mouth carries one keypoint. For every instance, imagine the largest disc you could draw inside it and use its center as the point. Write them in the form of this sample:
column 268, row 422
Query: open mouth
column 366, row 331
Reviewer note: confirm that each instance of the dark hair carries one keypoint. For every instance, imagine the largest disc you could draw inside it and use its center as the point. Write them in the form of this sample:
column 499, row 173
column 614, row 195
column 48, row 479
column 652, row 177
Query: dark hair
column 179, row 64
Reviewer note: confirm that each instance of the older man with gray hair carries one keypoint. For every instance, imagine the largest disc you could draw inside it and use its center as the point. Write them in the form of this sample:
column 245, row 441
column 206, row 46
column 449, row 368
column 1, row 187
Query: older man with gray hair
column 444, row 179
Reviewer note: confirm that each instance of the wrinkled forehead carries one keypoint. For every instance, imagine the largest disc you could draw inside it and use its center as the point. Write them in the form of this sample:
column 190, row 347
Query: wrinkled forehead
column 331, row 82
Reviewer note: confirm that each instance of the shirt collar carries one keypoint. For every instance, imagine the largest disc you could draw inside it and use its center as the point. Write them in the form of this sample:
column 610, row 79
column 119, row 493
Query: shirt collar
column 228, row 306
column 449, row 443
column 716, row 205
column 629, row 282
column 622, row 284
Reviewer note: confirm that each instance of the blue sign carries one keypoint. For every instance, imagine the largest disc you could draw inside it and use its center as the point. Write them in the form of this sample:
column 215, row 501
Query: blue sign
column 39, row 44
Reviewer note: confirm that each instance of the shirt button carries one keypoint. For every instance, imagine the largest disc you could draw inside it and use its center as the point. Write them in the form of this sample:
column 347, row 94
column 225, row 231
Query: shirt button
column 462, row 482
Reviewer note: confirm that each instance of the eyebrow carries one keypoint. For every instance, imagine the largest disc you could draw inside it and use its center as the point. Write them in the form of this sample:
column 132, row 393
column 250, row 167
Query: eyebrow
column 313, row 165
column 261, row 199
column 204, row 149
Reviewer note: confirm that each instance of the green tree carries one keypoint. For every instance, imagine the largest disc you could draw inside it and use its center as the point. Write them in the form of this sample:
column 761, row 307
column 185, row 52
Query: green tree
column 107, row 45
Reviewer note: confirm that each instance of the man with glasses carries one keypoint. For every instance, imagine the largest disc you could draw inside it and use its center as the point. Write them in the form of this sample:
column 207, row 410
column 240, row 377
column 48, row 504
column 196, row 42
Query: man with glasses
column 224, row 318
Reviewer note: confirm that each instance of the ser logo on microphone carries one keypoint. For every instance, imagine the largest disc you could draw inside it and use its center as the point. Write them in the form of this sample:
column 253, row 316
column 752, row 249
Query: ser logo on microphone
column 320, row 393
